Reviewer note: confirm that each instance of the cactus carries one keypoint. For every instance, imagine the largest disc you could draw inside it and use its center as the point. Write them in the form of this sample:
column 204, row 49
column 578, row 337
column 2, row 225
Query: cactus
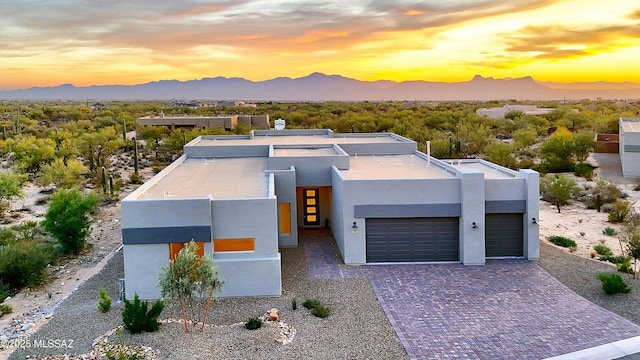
column 124, row 130
column 103, row 180
column 135, row 156
column 111, row 184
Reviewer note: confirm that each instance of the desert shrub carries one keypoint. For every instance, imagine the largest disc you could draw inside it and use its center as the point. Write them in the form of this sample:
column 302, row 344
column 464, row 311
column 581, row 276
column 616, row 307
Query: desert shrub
column 620, row 210
column 613, row 284
column 602, row 249
column 573, row 249
column 311, row 303
column 121, row 350
column 5, row 292
column 525, row 163
column 5, row 309
column 609, row 231
column 320, row 311
column 136, row 178
column 294, row 304
column 616, row 259
column 137, row 317
column 5, row 206
column 602, row 194
column 104, row 304
column 557, row 165
column 67, row 219
column 609, row 192
column 317, row 309
column 584, row 170
column 7, row 236
column 561, row 241
column 253, row 323
column 24, row 263
column 625, row 266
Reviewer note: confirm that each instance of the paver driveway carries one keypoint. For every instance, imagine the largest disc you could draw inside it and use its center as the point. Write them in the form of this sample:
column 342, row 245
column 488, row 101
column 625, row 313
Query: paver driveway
column 506, row 309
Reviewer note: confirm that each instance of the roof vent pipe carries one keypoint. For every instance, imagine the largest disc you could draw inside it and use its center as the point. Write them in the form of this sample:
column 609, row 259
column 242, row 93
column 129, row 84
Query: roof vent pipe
column 428, row 153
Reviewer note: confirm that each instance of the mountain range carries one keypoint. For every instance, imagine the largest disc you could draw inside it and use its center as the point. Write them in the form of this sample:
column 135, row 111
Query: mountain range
column 322, row 87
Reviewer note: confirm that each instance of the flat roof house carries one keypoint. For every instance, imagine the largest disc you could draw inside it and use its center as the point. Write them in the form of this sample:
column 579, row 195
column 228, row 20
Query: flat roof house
column 227, row 122
column 629, row 142
column 242, row 197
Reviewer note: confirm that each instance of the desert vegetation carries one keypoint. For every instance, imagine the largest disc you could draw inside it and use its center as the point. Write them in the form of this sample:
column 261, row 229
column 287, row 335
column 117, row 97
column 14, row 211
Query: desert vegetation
column 82, row 157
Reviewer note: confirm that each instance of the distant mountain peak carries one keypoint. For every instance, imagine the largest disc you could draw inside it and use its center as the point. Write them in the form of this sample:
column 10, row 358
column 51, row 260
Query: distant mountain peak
column 318, row 86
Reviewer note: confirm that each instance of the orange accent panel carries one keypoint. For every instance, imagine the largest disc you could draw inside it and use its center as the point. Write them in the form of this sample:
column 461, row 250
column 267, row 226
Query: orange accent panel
column 174, row 249
column 238, row 244
column 285, row 218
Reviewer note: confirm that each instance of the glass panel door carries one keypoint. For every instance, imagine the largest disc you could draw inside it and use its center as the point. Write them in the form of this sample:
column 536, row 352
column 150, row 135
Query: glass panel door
column 311, row 207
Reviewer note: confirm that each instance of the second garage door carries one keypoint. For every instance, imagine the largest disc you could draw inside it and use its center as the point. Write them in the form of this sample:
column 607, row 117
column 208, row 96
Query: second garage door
column 412, row 239
column 504, row 235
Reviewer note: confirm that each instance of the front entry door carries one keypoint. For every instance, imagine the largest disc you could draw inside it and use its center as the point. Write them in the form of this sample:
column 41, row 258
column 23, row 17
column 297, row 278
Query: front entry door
column 311, row 207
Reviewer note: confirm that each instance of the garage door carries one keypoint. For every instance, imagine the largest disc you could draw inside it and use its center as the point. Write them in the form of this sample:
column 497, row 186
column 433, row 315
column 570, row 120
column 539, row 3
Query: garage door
column 412, row 239
column 504, row 235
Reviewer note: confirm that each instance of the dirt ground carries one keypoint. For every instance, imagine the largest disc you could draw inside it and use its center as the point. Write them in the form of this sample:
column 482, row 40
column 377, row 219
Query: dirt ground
column 585, row 226
column 34, row 306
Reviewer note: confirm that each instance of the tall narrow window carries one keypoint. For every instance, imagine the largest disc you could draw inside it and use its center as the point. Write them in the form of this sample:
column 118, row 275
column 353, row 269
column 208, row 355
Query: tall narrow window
column 285, row 218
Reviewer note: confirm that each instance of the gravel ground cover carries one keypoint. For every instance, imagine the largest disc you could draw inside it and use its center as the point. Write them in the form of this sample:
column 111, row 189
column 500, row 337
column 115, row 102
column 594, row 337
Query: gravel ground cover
column 357, row 327
column 581, row 275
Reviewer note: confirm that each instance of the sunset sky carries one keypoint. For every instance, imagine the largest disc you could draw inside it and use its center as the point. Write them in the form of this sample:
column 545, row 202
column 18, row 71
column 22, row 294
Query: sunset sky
column 87, row 42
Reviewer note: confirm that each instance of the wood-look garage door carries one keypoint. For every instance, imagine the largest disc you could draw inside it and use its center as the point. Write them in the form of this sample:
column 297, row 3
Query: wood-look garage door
column 504, row 235
column 412, row 239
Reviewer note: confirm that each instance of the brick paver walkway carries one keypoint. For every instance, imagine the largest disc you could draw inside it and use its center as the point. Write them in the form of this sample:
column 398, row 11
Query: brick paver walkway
column 507, row 309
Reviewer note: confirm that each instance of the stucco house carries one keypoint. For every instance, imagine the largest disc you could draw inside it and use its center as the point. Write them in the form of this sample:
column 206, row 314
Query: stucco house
column 629, row 142
column 244, row 197
column 227, row 122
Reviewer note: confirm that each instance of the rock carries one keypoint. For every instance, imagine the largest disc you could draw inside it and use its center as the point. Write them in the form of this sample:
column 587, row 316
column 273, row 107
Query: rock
column 274, row 315
column 7, row 298
column 282, row 340
column 25, row 327
column 3, row 339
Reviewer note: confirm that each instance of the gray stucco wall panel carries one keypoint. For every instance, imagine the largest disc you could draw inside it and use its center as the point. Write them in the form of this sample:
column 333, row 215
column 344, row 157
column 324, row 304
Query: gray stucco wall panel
column 167, row 212
column 505, row 189
column 142, row 267
column 258, row 277
column 247, row 218
column 505, row 206
column 406, row 210
column 337, row 212
column 230, row 151
column 285, row 183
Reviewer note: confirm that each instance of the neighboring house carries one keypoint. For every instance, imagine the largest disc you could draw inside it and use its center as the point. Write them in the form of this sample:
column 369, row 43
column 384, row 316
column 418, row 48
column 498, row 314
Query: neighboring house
column 630, row 146
column 244, row 197
column 224, row 122
column 500, row 112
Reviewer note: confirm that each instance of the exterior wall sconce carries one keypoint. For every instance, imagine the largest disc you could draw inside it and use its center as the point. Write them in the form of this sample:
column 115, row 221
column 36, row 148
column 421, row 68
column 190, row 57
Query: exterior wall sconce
column 474, row 225
column 534, row 221
column 354, row 228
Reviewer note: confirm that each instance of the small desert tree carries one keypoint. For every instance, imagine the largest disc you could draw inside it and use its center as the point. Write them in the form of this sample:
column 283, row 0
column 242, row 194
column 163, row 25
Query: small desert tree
column 188, row 278
column 10, row 188
column 558, row 189
column 631, row 238
column 68, row 220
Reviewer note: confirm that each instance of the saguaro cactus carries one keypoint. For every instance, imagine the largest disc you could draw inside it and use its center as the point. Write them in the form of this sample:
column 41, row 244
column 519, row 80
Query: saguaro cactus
column 103, row 180
column 135, row 156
